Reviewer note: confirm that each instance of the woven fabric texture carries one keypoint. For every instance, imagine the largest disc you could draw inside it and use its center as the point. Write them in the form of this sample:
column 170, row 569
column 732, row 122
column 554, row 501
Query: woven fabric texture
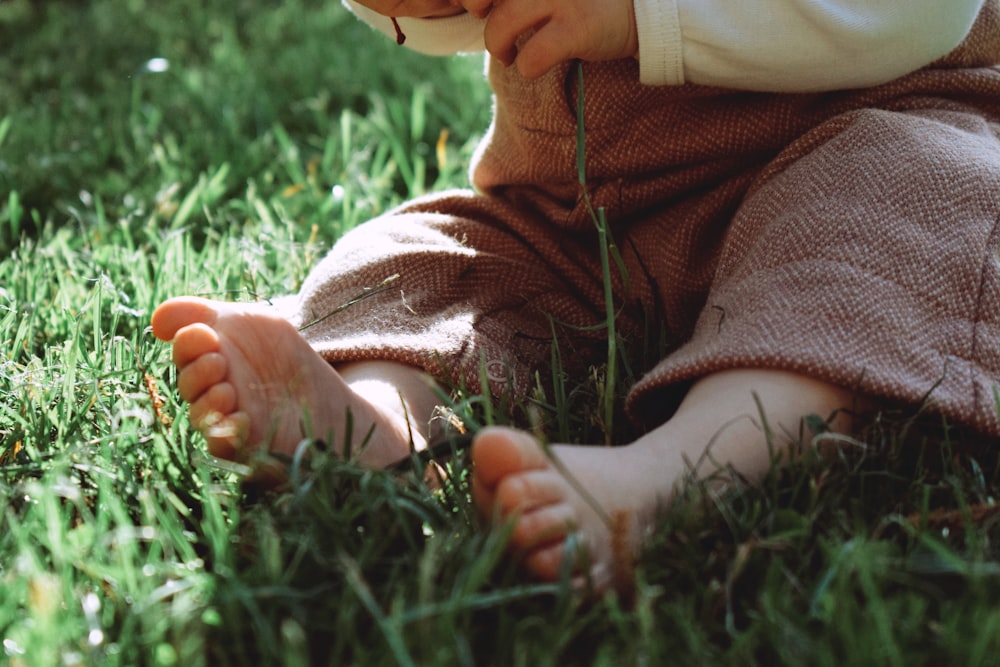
column 851, row 236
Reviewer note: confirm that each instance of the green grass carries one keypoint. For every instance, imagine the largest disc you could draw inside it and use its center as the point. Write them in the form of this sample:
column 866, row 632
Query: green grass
column 276, row 127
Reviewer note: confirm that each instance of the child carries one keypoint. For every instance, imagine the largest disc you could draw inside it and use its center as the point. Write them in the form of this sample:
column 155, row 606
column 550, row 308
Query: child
column 805, row 196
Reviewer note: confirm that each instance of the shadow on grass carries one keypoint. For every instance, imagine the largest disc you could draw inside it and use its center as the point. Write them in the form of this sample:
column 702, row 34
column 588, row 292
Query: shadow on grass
column 883, row 553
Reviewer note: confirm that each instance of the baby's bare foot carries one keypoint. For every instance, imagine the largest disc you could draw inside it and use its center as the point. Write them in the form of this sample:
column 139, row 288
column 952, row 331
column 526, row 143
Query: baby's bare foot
column 608, row 496
column 253, row 383
column 604, row 498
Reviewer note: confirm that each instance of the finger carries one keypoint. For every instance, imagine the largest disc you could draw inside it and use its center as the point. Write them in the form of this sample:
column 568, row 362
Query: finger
column 507, row 22
column 545, row 49
column 442, row 9
column 412, row 8
column 478, row 8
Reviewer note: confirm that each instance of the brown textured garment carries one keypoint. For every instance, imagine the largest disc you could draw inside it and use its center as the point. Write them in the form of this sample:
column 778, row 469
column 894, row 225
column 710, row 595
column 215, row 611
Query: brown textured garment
column 851, row 236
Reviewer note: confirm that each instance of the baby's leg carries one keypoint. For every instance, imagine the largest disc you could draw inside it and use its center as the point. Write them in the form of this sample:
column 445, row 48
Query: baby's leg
column 254, row 383
column 592, row 492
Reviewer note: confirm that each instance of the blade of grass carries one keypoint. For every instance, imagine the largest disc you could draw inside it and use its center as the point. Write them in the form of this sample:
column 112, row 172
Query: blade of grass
column 604, row 244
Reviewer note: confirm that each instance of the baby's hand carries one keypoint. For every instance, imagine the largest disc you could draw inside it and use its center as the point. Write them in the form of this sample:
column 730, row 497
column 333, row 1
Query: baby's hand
column 414, row 8
column 566, row 29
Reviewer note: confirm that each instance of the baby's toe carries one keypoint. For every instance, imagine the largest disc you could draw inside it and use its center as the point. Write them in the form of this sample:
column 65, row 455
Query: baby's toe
column 218, row 402
column 528, row 491
column 227, row 437
column 498, row 453
column 193, row 341
column 543, row 526
column 547, row 562
column 200, row 375
column 173, row 315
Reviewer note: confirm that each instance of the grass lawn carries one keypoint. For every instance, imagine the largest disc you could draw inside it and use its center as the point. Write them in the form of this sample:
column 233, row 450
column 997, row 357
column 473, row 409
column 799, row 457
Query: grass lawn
column 149, row 149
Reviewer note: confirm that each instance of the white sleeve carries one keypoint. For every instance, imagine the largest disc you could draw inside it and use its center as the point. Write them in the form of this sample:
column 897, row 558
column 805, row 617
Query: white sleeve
column 795, row 45
column 435, row 37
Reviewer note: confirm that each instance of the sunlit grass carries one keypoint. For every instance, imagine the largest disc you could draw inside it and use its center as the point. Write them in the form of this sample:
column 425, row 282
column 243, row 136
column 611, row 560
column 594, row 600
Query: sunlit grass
column 227, row 169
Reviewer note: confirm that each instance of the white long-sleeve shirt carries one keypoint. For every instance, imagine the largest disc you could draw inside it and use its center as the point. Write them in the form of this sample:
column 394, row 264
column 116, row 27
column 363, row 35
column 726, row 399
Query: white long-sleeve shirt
column 763, row 45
